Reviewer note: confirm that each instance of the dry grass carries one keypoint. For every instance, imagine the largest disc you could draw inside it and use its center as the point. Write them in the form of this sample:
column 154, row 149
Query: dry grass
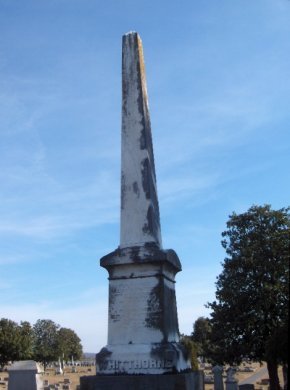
column 82, row 371
column 74, row 377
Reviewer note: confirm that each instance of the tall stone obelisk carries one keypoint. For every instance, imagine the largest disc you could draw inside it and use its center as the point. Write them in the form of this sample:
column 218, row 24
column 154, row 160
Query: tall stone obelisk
column 143, row 335
column 140, row 222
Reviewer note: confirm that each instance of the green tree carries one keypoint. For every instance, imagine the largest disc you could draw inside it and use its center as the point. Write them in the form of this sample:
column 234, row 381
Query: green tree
column 9, row 341
column 26, row 341
column 69, row 344
column 201, row 335
column 250, row 314
column 46, row 347
column 191, row 349
column 15, row 341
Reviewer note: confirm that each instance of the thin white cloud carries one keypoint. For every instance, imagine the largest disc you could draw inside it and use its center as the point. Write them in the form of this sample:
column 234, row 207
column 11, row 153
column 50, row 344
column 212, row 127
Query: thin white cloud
column 186, row 185
column 6, row 259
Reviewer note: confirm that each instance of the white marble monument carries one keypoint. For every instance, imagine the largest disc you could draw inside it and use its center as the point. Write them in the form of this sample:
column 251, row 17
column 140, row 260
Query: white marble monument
column 143, row 335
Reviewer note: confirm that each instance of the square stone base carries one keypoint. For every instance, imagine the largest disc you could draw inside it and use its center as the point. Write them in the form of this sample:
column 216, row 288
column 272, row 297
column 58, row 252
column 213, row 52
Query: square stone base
column 186, row 381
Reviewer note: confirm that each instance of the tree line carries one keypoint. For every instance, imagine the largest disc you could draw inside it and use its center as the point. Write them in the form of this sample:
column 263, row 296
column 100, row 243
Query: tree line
column 43, row 342
column 250, row 316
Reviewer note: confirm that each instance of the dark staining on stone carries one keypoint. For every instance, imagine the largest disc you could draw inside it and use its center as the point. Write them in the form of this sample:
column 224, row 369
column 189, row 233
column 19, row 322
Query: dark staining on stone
column 169, row 352
column 149, row 252
column 145, row 169
column 112, row 295
column 154, row 308
column 149, row 184
column 113, row 313
column 102, row 357
column 124, row 93
column 123, row 191
column 114, row 316
column 162, row 310
column 129, row 45
column 170, row 315
column 135, row 254
column 136, row 189
column 146, row 134
column 124, row 78
column 142, row 104
column 152, row 225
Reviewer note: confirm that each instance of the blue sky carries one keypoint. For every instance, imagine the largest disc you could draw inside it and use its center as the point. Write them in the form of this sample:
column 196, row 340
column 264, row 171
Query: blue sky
column 218, row 76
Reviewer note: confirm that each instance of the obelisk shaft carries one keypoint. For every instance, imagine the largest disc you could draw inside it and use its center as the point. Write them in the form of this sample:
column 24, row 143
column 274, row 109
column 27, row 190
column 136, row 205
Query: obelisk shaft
column 140, row 222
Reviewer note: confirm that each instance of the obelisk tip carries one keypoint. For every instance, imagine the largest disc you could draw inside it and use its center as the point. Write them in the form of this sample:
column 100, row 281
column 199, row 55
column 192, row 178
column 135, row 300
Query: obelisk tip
column 130, row 33
column 130, row 37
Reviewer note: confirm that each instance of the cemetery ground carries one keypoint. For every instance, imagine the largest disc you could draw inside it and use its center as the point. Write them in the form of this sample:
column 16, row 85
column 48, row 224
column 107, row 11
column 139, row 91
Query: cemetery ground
column 73, row 378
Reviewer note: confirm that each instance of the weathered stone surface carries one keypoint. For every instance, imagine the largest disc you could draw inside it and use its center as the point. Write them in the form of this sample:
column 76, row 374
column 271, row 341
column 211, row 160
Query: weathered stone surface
column 143, row 335
column 231, row 381
column 24, row 375
column 186, row 381
column 140, row 222
column 218, row 377
column 148, row 253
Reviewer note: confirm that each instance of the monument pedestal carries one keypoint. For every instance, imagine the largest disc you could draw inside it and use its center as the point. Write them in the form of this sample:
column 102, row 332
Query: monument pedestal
column 186, row 381
column 143, row 335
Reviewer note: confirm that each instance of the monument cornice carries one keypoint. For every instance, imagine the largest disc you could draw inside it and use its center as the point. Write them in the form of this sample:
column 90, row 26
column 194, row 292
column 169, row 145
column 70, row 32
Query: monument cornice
column 148, row 253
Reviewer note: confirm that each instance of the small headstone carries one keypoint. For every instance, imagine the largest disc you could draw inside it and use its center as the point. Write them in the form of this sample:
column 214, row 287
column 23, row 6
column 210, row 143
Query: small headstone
column 59, row 370
column 218, row 377
column 24, row 375
column 265, row 381
column 231, row 382
column 247, row 386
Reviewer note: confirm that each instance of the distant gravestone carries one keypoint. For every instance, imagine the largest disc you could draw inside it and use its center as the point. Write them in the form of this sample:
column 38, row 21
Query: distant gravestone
column 24, row 375
column 231, row 382
column 59, row 370
column 218, row 377
column 247, row 386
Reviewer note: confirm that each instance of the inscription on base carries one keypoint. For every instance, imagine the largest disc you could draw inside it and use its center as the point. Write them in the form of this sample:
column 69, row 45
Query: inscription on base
column 136, row 364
